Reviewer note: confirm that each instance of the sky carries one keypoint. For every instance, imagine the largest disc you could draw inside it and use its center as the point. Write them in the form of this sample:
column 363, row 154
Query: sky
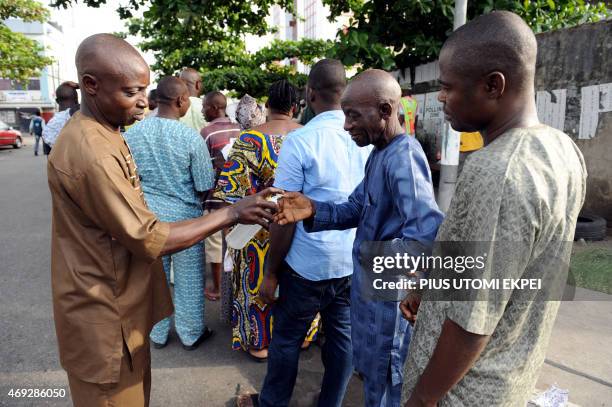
column 79, row 22
column 88, row 20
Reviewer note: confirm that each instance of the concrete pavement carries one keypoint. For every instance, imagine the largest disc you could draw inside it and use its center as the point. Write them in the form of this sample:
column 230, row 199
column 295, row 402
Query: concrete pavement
column 579, row 356
column 209, row 376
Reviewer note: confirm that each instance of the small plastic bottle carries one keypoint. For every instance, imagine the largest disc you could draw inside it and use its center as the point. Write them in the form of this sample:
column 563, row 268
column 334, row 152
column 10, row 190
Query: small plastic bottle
column 241, row 234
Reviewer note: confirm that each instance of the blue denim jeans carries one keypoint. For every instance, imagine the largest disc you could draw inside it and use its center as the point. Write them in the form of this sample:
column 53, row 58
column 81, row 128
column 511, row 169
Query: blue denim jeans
column 36, row 143
column 299, row 301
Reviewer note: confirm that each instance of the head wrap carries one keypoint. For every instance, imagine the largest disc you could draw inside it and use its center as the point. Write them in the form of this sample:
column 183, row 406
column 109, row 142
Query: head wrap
column 248, row 113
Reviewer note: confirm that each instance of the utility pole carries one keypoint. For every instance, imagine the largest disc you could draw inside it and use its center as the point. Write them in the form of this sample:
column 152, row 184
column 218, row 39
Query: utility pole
column 449, row 167
column 460, row 13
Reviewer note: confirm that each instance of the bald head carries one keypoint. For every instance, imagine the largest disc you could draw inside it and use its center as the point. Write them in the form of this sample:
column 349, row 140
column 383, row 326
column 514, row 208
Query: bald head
column 217, row 99
column 113, row 78
column 373, row 87
column 499, row 41
column 370, row 104
column 106, row 54
column 190, row 75
column 214, row 106
column 172, row 98
column 193, row 80
column 169, row 89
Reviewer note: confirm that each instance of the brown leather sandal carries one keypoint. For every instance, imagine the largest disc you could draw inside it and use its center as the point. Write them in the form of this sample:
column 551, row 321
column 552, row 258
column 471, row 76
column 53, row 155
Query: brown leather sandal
column 247, row 400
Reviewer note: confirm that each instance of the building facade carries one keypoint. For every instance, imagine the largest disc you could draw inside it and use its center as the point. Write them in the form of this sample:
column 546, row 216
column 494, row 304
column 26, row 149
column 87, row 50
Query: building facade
column 311, row 22
column 19, row 100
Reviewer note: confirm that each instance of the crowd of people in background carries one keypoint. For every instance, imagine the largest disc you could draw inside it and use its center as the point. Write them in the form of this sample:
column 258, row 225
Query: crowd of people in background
column 344, row 157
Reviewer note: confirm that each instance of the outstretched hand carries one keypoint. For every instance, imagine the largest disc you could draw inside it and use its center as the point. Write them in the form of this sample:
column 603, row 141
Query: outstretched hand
column 256, row 209
column 293, row 207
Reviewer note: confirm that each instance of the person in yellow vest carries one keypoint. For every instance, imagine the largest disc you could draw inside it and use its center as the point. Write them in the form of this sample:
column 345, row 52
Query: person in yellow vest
column 408, row 111
column 468, row 143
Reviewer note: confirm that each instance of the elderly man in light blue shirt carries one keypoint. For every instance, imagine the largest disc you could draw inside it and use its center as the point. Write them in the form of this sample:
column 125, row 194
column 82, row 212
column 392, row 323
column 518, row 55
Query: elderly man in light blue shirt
column 314, row 270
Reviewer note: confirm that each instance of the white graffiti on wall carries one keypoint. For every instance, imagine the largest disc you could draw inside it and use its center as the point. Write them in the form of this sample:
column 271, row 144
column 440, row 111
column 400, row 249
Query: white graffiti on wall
column 551, row 107
column 433, row 117
column 594, row 100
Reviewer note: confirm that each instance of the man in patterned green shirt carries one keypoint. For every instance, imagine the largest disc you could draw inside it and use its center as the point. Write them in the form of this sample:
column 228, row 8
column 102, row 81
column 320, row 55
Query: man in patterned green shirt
column 175, row 170
column 519, row 197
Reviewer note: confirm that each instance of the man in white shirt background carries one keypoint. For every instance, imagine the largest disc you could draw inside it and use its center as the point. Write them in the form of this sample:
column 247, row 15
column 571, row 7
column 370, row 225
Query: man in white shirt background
column 67, row 99
column 193, row 118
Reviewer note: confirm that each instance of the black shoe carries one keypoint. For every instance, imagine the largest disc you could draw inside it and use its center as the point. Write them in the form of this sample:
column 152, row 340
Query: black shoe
column 159, row 345
column 206, row 335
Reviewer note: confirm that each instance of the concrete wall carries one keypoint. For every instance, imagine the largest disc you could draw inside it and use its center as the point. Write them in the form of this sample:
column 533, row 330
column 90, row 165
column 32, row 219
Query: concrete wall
column 573, row 93
column 578, row 62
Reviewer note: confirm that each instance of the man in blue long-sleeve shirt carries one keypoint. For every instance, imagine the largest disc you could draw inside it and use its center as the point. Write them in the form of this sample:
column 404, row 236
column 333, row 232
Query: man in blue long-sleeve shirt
column 394, row 201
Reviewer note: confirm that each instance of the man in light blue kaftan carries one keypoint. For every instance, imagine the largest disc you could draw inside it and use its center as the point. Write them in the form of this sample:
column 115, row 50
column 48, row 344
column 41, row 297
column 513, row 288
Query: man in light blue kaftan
column 394, row 203
column 175, row 168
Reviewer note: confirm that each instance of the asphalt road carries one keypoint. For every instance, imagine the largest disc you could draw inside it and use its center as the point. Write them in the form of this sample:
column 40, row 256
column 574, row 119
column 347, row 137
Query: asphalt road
column 578, row 357
column 209, row 376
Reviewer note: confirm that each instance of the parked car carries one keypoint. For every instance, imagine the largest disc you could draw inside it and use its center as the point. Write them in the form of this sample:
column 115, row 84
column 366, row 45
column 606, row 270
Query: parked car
column 10, row 136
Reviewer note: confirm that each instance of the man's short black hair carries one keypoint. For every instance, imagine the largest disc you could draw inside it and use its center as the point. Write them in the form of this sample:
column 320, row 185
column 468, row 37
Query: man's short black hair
column 282, row 96
column 217, row 99
column 67, row 91
column 498, row 41
column 169, row 89
column 328, row 78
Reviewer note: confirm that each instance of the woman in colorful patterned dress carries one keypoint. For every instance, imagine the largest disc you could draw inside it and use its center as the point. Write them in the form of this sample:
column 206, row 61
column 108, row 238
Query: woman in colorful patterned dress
column 250, row 168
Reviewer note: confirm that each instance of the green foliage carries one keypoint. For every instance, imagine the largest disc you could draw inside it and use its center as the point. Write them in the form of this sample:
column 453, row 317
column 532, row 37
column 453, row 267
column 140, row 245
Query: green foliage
column 362, row 48
column 547, row 15
column 306, row 50
column 254, row 81
column 27, row 10
column 254, row 73
column 209, row 35
column 402, row 33
column 20, row 57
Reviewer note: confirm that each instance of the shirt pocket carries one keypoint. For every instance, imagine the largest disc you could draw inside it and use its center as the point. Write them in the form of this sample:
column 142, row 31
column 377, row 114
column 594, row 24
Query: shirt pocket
column 120, row 258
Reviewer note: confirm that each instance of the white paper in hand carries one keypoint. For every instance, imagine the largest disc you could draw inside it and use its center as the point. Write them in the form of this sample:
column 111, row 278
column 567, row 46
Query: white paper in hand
column 241, row 234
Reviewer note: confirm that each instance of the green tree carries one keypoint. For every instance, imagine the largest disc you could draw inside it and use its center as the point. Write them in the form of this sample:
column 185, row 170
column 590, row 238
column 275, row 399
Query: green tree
column 209, row 35
column 254, row 73
column 20, row 57
column 404, row 33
